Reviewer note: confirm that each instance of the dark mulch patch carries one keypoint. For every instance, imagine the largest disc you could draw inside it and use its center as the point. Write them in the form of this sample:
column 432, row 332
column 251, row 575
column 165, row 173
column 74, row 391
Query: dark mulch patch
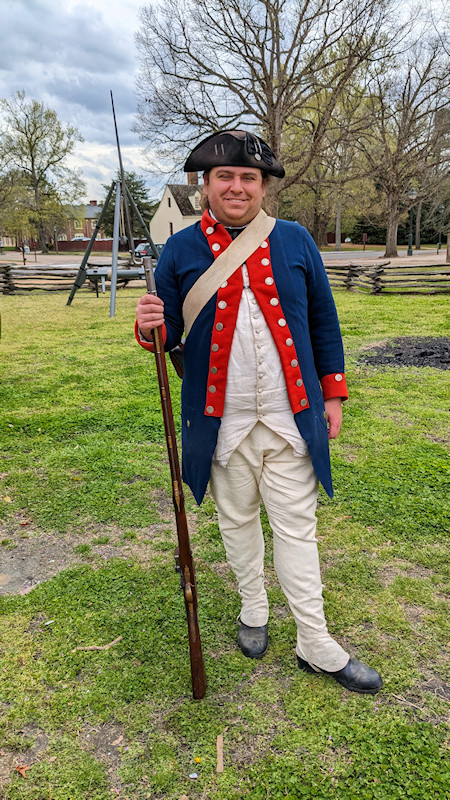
column 411, row 352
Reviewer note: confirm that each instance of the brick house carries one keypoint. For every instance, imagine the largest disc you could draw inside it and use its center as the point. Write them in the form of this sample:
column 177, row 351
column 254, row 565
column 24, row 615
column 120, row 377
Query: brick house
column 82, row 221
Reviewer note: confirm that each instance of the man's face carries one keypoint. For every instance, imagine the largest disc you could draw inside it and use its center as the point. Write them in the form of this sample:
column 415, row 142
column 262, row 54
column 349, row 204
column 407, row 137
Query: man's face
column 235, row 194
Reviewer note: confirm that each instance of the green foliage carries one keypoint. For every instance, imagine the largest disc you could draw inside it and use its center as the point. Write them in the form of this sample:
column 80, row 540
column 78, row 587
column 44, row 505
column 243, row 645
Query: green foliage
column 84, row 468
column 139, row 192
column 36, row 145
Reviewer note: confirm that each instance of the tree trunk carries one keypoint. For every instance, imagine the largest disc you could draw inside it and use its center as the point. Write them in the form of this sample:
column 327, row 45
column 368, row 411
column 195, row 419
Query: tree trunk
column 315, row 233
column 319, row 230
column 418, row 222
column 447, row 258
column 40, row 227
column 392, row 227
column 337, row 242
column 271, row 198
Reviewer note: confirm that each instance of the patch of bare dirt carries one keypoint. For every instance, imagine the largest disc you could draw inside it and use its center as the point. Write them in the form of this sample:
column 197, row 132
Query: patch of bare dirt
column 410, row 352
column 106, row 742
column 390, row 572
column 26, row 755
column 30, row 556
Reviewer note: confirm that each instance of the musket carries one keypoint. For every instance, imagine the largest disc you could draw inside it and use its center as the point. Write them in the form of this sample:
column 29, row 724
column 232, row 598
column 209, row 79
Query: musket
column 183, row 558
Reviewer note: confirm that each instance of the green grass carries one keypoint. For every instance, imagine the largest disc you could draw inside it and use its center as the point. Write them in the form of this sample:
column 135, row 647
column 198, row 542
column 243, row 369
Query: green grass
column 84, row 476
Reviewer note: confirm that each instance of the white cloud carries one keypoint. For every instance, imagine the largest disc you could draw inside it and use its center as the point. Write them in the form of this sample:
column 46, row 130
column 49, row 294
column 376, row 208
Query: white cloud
column 69, row 55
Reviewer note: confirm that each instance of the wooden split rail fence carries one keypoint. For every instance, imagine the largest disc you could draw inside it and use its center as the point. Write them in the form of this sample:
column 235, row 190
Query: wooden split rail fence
column 16, row 280
column 387, row 278
column 375, row 278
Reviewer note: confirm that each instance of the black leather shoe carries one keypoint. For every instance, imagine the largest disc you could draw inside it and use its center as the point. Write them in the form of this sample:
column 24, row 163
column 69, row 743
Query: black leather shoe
column 253, row 641
column 355, row 676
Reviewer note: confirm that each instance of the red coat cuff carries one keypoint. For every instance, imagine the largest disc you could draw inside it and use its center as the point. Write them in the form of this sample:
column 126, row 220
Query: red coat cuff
column 334, row 385
column 145, row 342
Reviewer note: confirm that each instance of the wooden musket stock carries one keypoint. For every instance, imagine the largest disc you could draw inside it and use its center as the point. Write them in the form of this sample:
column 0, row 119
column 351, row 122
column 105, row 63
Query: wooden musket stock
column 185, row 564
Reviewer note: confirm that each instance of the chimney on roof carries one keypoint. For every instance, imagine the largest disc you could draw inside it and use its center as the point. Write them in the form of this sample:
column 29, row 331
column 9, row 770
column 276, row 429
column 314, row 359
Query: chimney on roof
column 92, row 202
column 192, row 178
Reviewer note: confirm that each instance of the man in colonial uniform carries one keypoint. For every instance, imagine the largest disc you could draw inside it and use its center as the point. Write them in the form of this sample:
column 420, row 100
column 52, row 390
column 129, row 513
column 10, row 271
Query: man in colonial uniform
column 262, row 389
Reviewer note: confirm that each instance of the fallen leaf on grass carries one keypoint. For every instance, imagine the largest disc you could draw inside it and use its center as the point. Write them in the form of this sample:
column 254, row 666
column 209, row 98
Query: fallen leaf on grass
column 22, row 769
column 7, row 499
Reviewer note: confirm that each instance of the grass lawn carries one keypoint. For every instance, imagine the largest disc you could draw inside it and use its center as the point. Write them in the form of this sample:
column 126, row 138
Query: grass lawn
column 87, row 538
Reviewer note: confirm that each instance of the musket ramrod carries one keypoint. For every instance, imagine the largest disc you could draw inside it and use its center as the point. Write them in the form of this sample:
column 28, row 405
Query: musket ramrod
column 185, row 563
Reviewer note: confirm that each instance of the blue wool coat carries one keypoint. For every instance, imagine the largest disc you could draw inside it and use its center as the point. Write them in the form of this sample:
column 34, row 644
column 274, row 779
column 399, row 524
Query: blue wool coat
column 309, row 310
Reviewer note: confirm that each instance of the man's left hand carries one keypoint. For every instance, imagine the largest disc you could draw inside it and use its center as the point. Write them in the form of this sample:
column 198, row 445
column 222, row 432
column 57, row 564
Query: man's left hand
column 333, row 416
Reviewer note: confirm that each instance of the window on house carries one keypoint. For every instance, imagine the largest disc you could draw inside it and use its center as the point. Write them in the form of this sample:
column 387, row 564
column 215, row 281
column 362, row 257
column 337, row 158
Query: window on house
column 169, row 201
column 77, row 224
column 170, row 228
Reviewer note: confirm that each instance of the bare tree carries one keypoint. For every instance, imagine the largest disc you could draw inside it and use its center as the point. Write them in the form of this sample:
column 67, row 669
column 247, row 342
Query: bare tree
column 37, row 144
column 273, row 65
column 407, row 141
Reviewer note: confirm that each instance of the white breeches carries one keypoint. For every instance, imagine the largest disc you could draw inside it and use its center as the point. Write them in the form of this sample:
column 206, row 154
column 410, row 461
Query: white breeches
column 265, row 468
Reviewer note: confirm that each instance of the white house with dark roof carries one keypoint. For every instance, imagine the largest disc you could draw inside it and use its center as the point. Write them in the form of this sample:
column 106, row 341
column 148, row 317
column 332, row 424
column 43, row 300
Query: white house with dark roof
column 180, row 207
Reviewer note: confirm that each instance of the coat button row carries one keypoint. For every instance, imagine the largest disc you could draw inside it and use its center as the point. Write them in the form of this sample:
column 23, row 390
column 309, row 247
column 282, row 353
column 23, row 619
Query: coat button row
column 209, row 230
column 210, row 409
column 338, row 377
column 216, row 247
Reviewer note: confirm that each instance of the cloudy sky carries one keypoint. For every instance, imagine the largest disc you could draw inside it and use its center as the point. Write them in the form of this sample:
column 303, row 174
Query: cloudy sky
column 69, row 54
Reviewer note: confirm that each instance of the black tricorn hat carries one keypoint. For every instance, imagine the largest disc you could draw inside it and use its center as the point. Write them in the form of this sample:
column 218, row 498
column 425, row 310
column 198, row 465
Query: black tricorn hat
column 234, row 149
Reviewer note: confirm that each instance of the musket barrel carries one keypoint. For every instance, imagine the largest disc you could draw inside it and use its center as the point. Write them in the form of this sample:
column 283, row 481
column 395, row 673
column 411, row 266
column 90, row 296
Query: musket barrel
column 186, row 563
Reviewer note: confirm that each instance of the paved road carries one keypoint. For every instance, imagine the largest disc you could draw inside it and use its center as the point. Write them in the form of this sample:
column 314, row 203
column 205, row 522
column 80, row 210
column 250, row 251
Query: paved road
column 329, row 257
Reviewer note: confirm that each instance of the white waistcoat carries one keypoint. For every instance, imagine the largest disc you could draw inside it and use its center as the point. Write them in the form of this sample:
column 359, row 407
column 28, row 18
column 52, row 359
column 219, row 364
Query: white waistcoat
column 256, row 387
